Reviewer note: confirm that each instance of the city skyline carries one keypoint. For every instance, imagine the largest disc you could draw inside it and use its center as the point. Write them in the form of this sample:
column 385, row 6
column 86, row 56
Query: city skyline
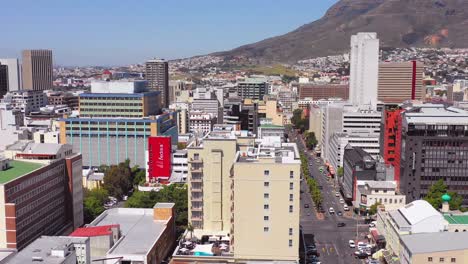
column 83, row 34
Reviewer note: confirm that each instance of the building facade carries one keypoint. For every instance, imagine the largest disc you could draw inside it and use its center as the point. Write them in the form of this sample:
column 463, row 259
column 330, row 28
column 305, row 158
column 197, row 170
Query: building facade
column 26, row 101
column 323, row 91
column 157, row 74
column 60, row 98
column 390, row 140
column 131, row 105
column 113, row 140
column 434, row 146
column 364, row 66
column 252, row 88
column 400, row 81
column 14, row 73
column 37, row 70
column 201, row 122
column 41, row 192
column 4, row 82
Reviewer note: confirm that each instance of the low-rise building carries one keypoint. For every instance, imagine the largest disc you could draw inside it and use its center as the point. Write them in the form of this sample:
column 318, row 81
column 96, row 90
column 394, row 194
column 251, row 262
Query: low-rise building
column 54, row 250
column 26, row 101
column 201, row 122
column 179, row 166
column 269, row 131
column 383, row 192
column 146, row 235
column 441, row 247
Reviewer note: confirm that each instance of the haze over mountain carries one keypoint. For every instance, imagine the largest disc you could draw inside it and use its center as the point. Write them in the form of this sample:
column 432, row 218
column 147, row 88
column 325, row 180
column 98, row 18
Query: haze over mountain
column 399, row 23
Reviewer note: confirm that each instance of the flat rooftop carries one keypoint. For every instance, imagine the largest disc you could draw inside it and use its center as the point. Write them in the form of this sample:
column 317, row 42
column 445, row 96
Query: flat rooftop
column 41, row 249
column 456, row 219
column 436, row 114
column 18, row 169
column 435, row 242
column 139, row 230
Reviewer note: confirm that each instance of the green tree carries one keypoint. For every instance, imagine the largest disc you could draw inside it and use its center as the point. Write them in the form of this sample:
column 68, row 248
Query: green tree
column 139, row 178
column 373, row 208
column 93, row 203
column 311, row 140
column 118, row 179
column 181, row 145
column 340, row 171
column 434, row 195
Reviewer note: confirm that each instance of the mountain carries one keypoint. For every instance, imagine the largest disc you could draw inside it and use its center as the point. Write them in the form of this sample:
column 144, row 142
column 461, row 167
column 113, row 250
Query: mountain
column 399, row 23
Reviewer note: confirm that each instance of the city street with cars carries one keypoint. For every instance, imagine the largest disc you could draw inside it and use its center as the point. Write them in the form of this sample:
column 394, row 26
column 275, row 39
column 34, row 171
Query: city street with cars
column 329, row 234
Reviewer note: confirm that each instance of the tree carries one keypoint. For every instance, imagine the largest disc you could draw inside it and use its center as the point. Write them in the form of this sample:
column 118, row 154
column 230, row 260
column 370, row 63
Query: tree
column 139, row 178
column 93, row 203
column 311, row 140
column 117, row 180
column 181, row 145
column 434, row 195
column 340, row 171
column 373, row 208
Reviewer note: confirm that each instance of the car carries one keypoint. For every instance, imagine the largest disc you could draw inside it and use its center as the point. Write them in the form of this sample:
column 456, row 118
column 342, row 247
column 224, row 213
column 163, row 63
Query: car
column 362, row 246
column 373, row 224
column 306, row 205
column 345, row 207
column 339, row 213
column 341, row 201
column 331, row 210
column 340, row 224
column 351, row 244
column 337, row 194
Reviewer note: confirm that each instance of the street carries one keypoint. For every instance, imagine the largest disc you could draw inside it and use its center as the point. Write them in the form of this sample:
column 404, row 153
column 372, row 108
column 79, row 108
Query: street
column 331, row 241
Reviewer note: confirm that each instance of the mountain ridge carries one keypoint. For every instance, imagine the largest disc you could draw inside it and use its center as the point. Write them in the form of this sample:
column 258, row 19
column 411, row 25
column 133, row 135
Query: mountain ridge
column 398, row 23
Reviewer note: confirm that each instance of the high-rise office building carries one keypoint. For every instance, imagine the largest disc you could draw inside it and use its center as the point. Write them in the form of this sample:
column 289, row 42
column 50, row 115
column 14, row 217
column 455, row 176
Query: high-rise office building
column 400, row 81
column 37, row 70
column 252, row 88
column 434, row 146
column 3, row 79
column 157, row 74
column 14, row 71
column 323, row 91
column 364, row 66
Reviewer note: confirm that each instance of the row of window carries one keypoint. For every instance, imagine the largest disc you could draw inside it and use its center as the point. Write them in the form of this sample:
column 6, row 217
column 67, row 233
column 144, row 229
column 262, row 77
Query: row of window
column 38, row 214
column 33, row 180
column 441, row 260
column 267, row 173
column 33, row 204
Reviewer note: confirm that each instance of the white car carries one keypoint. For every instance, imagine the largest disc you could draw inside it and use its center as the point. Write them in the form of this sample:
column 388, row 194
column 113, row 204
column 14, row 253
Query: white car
column 331, row 210
column 345, row 207
column 373, row 224
column 337, row 194
column 352, row 244
column 361, row 245
column 341, row 201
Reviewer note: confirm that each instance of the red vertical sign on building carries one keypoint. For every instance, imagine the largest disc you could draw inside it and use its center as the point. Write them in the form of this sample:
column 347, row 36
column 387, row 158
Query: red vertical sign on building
column 159, row 158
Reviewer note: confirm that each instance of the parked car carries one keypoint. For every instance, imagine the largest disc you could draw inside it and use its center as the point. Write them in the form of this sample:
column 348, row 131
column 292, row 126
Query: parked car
column 320, row 187
column 341, row 201
column 340, row 224
column 345, row 207
column 351, row 244
column 331, row 210
column 373, row 224
column 337, row 194
column 306, row 205
column 339, row 213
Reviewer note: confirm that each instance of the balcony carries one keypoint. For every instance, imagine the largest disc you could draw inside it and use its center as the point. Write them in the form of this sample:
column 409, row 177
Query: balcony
column 196, row 189
column 196, row 169
column 196, row 218
column 192, row 160
column 197, row 179
column 197, row 199
column 196, row 209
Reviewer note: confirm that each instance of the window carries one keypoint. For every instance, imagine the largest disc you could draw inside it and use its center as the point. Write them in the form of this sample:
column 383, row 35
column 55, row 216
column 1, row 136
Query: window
column 266, row 229
column 290, row 231
column 266, row 195
column 291, row 197
column 453, row 260
column 266, row 206
column 429, row 259
column 266, row 218
column 266, row 184
column 290, row 208
column 441, row 259
column 266, row 173
column 290, row 242
column 291, row 174
column 291, row 185
column 196, row 156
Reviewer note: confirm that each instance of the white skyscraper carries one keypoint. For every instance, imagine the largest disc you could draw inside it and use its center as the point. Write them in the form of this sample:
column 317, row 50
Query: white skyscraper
column 14, row 78
column 364, row 69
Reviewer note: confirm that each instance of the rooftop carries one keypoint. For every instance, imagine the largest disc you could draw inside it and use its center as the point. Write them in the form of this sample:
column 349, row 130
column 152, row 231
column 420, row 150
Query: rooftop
column 284, row 153
column 18, row 169
column 456, row 219
column 41, row 249
column 139, row 230
column 418, row 211
column 435, row 242
column 93, row 231
column 435, row 114
column 271, row 126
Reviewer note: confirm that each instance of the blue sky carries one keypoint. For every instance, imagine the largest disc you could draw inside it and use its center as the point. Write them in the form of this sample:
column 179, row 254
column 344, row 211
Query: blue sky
column 119, row 32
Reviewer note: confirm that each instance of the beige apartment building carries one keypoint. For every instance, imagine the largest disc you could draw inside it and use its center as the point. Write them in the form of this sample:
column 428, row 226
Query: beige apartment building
column 266, row 203
column 243, row 200
column 400, row 81
column 37, row 70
